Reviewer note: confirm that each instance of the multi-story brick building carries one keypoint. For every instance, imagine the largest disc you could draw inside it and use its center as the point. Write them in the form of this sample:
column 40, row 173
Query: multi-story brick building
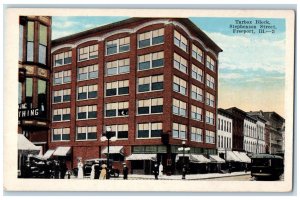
column 34, row 75
column 259, row 135
column 153, row 81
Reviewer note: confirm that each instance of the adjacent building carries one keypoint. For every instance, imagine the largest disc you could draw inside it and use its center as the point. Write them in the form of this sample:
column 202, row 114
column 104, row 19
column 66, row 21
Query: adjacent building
column 224, row 132
column 274, row 129
column 34, row 78
column 152, row 82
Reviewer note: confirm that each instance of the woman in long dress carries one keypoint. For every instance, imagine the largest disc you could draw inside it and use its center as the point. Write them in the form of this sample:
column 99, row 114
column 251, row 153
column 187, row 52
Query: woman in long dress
column 93, row 172
column 80, row 170
column 103, row 172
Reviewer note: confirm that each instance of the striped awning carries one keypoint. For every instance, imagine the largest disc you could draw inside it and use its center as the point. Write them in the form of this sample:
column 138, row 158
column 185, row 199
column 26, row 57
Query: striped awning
column 194, row 158
column 62, row 151
column 48, row 154
column 242, row 156
column 142, row 157
column 216, row 159
column 113, row 150
column 230, row 156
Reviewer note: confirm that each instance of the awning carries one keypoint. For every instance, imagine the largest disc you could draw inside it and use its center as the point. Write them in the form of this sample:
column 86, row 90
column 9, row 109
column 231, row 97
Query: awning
column 48, row 154
column 142, row 157
column 27, row 147
column 194, row 158
column 242, row 156
column 198, row 158
column 62, row 151
column 216, row 159
column 113, row 150
column 230, row 156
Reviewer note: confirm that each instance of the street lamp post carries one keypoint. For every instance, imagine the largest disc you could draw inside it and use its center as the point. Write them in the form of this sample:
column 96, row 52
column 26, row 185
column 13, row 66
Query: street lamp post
column 108, row 136
column 183, row 149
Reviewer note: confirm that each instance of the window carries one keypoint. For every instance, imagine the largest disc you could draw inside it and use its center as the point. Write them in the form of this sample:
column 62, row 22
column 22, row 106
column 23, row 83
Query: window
column 20, row 93
column 86, row 73
column 117, row 88
column 62, row 58
column 196, row 113
column 197, row 53
column 210, row 137
column 150, row 61
column 117, row 46
column 210, row 118
column 87, row 53
column 29, row 92
column 151, row 83
column 210, row 81
column 219, row 124
column 149, row 130
column 197, row 73
column 210, row 63
column 180, row 63
column 117, row 67
column 150, row 106
column 210, row 100
column 179, row 85
column 87, row 133
column 43, row 33
column 151, row 38
column 196, row 93
column 42, row 97
column 117, row 109
column 196, row 134
column 62, row 77
column 87, row 112
column 61, row 134
column 62, row 96
column 179, row 131
column 179, row 108
column 87, row 92
column 30, row 41
column 180, row 41
column 21, row 37
column 120, row 131
column 61, row 114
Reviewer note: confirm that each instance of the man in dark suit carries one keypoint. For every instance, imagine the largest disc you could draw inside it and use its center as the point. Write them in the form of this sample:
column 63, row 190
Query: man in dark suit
column 125, row 171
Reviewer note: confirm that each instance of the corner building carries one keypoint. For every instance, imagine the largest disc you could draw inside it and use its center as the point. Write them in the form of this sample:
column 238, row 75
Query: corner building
column 153, row 81
column 34, row 79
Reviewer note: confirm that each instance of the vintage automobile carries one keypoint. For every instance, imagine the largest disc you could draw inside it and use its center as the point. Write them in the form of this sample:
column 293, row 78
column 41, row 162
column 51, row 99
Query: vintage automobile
column 267, row 166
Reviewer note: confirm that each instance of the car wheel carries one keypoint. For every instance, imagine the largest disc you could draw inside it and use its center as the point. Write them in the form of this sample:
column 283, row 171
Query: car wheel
column 116, row 174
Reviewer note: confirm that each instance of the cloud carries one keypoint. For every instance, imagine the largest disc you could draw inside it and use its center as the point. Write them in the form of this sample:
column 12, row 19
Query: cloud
column 251, row 52
column 230, row 76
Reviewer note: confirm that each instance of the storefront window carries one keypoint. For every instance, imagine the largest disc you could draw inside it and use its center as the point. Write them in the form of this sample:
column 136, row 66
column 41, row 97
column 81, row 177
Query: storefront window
column 28, row 99
column 42, row 97
column 20, row 93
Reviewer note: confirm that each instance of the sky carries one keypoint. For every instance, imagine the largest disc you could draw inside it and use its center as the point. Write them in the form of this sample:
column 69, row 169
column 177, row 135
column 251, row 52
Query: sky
column 251, row 66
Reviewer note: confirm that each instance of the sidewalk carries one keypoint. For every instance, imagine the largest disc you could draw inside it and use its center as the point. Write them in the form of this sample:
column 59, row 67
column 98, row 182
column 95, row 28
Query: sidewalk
column 178, row 176
column 188, row 176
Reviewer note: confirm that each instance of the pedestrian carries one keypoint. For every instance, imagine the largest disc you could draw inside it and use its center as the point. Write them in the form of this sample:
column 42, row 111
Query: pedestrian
column 183, row 171
column 161, row 169
column 103, row 172
column 56, row 169
column 125, row 171
column 156, row 171
column 80, row 170
column 63, row 169
column 229, row 168
column 93, row 172
column 97, row 170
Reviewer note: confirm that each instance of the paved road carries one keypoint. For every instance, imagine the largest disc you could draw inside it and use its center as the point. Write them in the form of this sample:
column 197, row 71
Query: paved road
column 233, row 178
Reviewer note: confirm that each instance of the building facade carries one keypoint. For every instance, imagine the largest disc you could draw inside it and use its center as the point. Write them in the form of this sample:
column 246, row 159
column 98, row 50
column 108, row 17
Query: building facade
column 152, row 82
column 224, row 132
column 238, row 117
column 34, row 76
column 250, row 135
column 275, row 128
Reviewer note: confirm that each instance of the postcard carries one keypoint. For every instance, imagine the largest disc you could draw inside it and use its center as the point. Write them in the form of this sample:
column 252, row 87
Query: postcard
column 148, row 100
